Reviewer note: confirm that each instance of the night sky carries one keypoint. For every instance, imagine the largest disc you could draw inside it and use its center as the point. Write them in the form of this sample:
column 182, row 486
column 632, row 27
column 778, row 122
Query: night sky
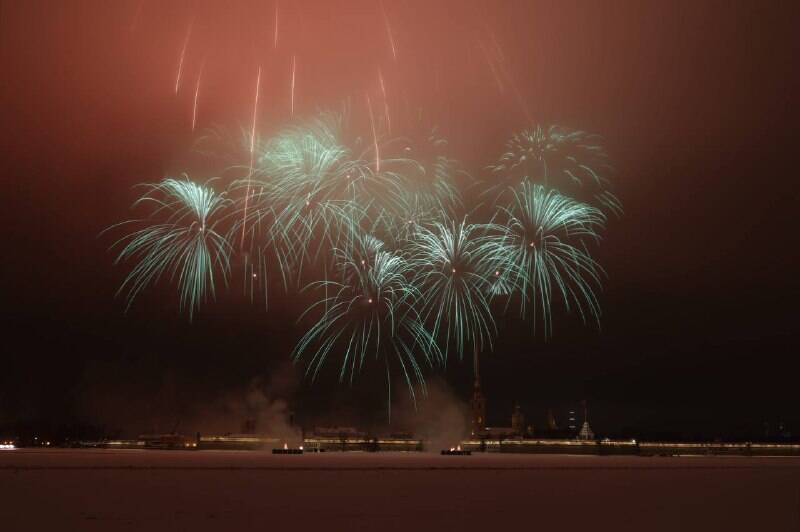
column 695, row 101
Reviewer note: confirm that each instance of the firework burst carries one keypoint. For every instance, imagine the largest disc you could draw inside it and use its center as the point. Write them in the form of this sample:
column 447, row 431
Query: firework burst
column 455, row 266
column 404, row 283
column 572, row 161
column 370, row 312
column 181, row 240
column 543, row 249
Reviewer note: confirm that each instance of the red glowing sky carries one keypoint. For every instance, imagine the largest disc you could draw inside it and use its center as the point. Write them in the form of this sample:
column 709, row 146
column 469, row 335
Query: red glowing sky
column 692, row 98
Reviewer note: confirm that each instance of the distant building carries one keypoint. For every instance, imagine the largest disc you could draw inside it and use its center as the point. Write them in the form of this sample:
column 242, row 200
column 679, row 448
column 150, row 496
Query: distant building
column 551, row 420
column 518, row 429
column 478, row 410
column 518, row 421
column 586, row 432
column 551, row 429
column 572, row 424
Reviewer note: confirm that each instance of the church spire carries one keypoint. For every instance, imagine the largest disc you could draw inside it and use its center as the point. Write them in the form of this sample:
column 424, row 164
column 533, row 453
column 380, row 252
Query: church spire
column 478, row 402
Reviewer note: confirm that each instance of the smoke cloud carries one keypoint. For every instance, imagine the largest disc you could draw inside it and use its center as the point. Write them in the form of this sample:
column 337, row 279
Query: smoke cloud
column 440, row 417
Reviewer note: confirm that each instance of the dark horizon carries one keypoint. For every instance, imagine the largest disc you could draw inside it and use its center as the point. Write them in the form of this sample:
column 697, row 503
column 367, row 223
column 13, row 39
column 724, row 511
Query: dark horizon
column 698, row 334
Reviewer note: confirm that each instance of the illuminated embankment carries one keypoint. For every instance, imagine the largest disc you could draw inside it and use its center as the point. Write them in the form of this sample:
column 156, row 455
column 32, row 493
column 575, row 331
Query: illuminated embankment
column 489, row 445
column 631, row 447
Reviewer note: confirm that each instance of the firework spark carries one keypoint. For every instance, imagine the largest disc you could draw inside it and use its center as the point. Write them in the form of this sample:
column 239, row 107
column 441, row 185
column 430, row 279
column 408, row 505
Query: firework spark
column 252, row 153
column 498, row 50
column 490, row 61
column 385, row 102
column 388, row 30
column 275, row 31
column 196, row 94
column 294, row 72
column 183, row 55
column 374, row 136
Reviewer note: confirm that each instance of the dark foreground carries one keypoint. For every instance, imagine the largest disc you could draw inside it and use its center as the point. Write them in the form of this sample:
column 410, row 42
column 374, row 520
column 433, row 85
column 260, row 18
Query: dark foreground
column 227, row 490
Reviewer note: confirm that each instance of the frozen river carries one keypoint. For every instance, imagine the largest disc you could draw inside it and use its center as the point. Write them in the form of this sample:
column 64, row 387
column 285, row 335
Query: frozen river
column 228, row 490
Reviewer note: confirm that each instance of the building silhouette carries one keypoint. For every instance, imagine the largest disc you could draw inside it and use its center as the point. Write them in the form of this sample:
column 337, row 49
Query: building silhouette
column 518, row 421
column 478, row 409
column 586, row 432
column 572, row 423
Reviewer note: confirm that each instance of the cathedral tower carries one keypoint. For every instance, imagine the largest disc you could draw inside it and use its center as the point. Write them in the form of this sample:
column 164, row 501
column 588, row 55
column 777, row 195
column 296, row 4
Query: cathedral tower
column 478, row 410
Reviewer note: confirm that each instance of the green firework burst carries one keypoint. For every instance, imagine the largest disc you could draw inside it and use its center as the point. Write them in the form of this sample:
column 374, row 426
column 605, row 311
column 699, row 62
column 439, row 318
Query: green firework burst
column 543, row 248
column 369, row 313
column 181, row 240
column 572, row 161
column 456, row 266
